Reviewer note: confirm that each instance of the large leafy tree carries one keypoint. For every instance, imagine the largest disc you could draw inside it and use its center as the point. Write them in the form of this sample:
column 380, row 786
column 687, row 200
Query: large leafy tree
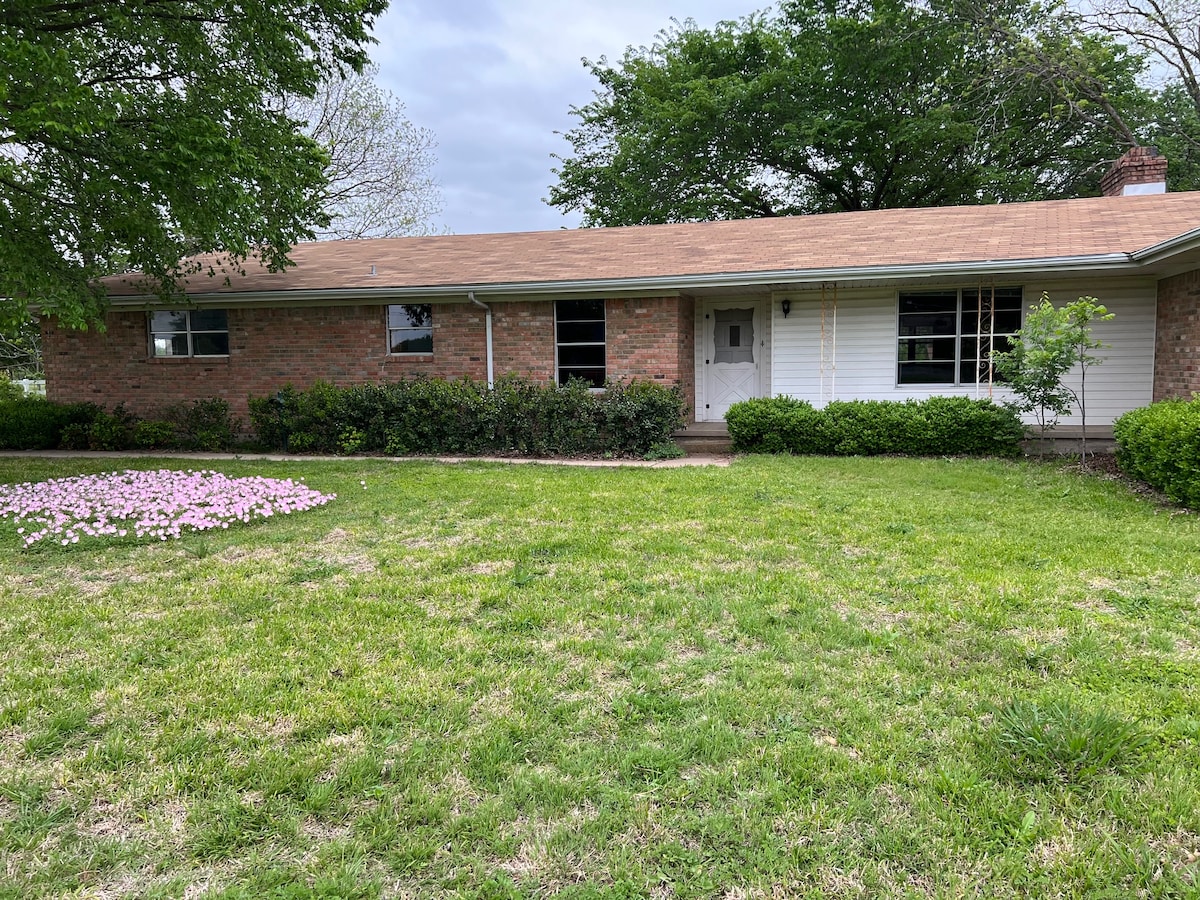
column 380, row 181
column 1168, row 33
column 1048, row 43
column 143, row 131
column 836, row 105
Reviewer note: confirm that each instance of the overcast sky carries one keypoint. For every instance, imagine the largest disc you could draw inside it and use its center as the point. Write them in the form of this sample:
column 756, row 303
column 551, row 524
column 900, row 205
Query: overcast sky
column 495, row 79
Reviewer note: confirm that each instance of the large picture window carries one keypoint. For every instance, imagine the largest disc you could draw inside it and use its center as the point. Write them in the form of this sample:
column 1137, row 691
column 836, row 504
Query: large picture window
column 189, row 332
column 947, row 337
column 579, row 340
column 410, row 328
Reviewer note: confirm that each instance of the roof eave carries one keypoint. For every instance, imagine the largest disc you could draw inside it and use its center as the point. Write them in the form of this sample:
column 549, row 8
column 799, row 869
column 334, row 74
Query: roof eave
column 665, row 283
column 1189, row 240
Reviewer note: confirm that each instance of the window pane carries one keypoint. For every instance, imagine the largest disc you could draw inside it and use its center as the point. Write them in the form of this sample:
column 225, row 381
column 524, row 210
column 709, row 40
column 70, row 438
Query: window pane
column 921, row 349
column 214, row 344
column 1006, row 321
column 571, row 356
column 168, row 320
column 412, row 341
column 927, row 323
column 973, row 372
column 595, row 377
column 209, row 320
column 1010, row 298
column 579, row 310
column 926, row 373
column 410, row 315
column 929, row 301
column 581, row 332
column 170, row 345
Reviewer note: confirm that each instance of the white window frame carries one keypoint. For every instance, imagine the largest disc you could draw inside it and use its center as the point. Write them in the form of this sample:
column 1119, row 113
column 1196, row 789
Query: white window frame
column 189, row 332
column 958, row 336
column 558, row 345
column 390, row 331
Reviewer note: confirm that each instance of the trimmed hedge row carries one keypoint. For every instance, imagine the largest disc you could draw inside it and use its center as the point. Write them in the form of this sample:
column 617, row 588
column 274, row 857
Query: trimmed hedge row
column 932, row 427
column 31, row 423
column 37, row 424
column 1160, row 444
column 433, row 416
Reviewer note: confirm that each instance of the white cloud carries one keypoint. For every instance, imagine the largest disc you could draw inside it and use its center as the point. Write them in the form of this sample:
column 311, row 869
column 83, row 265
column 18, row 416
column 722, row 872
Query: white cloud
column 495, row 80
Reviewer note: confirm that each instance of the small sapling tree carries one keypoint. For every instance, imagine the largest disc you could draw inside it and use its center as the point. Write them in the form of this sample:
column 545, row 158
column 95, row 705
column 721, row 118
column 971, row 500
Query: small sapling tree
column 1052, row 342
column 1077, row 331
column 1035, row 365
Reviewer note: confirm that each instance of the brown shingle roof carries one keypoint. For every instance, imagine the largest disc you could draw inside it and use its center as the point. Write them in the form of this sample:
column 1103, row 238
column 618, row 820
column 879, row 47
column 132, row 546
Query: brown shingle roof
column 894, row 238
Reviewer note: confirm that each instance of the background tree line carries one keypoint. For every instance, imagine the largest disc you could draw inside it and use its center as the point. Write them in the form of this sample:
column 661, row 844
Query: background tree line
column 828, row 105
column 135, row 135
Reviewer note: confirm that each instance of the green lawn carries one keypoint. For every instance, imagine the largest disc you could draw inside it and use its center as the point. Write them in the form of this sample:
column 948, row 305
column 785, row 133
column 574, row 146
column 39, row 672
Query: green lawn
column 789, row 678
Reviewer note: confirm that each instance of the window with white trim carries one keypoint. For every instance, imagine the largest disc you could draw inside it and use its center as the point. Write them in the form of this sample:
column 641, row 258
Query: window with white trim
column 948, row 336
column 410, row 328
column 189, row 332
column 579, row 341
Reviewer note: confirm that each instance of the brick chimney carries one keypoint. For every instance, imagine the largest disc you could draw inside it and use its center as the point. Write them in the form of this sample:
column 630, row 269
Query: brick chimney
column 1142, row 170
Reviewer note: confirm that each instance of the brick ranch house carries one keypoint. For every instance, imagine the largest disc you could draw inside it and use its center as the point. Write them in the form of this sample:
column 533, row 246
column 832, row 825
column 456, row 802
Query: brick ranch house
column 870, row 305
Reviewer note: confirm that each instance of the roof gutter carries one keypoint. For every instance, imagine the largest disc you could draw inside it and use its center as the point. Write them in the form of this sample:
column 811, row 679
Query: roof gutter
column 847, row 274
column 1189, row 240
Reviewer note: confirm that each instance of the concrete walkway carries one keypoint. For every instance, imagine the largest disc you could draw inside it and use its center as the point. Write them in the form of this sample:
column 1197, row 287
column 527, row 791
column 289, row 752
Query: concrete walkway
column 702, row 459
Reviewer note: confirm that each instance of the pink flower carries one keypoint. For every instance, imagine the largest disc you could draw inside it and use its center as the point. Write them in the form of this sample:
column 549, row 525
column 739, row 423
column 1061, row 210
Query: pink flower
column 161, row 503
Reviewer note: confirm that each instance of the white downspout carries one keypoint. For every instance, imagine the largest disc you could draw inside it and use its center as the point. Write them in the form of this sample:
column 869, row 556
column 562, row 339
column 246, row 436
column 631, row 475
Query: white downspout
column 491, row 372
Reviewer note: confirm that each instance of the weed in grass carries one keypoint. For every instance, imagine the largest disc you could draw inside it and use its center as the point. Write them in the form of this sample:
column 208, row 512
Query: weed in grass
column 199, row 549
column 313, row 572
column 523, row 573
column 1058, row 740
column 62, row 728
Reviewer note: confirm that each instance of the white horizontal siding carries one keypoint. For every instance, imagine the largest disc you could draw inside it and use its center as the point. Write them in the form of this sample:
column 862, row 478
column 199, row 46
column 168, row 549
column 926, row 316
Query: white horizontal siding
column 864, row 364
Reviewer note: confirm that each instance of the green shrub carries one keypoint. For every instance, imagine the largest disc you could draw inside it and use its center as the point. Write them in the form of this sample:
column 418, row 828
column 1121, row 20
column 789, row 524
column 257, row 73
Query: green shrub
column 778, row 425
column 433, row 416
column 151, row 435
column 935, row 426
column 201, row 425
column 112, row 431
column 1160, row 444
column 37, row 424
column 8, row 390
column 964, row 426
column 874, row 427
column 31, row 423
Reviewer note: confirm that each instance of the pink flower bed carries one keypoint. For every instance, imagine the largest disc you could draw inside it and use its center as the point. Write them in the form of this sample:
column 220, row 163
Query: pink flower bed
column 162, row 504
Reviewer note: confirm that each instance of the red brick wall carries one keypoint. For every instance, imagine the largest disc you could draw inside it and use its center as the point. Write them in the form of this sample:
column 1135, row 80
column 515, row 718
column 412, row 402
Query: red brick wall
column 523, row 339
column 1177, row 337
column 269, row 348
column 654, row 340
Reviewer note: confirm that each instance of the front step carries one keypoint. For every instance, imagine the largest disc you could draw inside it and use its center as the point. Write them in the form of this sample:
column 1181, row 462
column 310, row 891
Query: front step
column 701, row 438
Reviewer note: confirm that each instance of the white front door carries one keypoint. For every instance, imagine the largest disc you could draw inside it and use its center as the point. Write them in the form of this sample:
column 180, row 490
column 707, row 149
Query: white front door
column 733, row 348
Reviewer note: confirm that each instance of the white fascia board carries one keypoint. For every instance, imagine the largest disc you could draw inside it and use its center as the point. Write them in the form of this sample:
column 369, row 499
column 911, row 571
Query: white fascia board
column 1189, row 240
column 659, row 285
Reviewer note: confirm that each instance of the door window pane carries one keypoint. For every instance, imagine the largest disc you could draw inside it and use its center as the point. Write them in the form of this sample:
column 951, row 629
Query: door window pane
column 733, row 336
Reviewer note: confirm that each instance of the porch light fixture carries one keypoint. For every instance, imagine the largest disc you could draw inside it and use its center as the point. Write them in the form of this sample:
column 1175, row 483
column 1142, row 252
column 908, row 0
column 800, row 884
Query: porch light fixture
column 786, row 306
